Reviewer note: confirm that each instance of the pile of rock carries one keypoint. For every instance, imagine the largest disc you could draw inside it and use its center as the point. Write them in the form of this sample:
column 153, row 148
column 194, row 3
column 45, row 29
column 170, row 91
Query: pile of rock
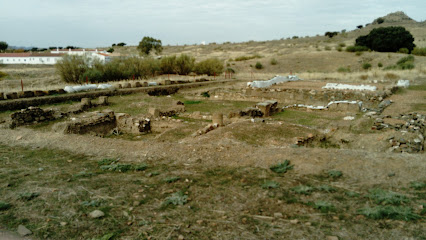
column 97, row 123
column 32, row 115
column 248, row 112
column 86, row 104
column 410, row 131
column 134, row 125
column 29, row 94
column 268, row 107
column 178, row 107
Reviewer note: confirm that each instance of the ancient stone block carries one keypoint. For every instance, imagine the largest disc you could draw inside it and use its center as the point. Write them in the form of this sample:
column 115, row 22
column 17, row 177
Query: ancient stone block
column 136, row 84
column 117, row 86
column 103, row 100
column 154, row 112
column 38, row 93
column 126, row 85
column 217, row 119
column 26, row 94
column 145, row 84
column 12, row 95
column 86, row 102
column 52, row 92
column 1, row 96
column 167, row 82
column 31, row 115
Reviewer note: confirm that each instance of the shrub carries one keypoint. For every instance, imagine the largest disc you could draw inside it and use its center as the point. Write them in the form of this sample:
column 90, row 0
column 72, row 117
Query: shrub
column 270, row 184
column 387, row 39
column 331, row 34
column 339, row 49
column 335, row 173
column 403, row 50
column 70, row 68
column 210, row 67
column 380, row 65
column 390, row 212
column 419, row 51
column 380, row 20
column 326, row 188
column 342, row 45
column 324, row 206
column 343, row 69
column 381, row 196
column 356, row 48
column 245, row 58
column 93, row 75
column 258, row 65
column 2, row 74
column 274, row 61
column 168, row 65
column 366, row 66
column 184, row 64
column 148, row 43
column 171, row 179
column 178, row 198
column 205, row 94
column 302, row 189
column 110, row 50
column 4, row 206
column 327, row 48
column 418, row 185
column 282, row 167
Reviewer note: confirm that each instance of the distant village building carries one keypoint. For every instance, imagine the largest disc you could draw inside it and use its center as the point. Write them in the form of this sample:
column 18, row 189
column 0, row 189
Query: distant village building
column 52, row 57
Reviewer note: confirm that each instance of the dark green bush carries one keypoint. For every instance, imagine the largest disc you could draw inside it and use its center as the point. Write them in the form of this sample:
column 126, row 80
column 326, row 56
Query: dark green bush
column 184, row 64
column 2, row 74
column 70, row 68
column 387, row 39
column 403, row 50
column 380, row 64
column 168, row 65
column 366, row 66
column 258, row 65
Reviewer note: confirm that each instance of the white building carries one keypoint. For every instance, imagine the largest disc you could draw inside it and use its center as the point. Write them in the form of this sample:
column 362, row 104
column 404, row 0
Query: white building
column 52, row 57
column 29, row 58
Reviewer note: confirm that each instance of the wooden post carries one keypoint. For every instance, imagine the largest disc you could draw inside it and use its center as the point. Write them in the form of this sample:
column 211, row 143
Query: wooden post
column 22, row 85
column 87, row 80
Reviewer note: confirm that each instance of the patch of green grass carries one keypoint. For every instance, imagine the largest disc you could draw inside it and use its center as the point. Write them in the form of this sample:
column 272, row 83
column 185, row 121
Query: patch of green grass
column 270, row 184
column 189, row 102
column 107, row 161
column 28, row 196
column 117, row 167
column 108, row 236
column 282, row 167
column 4, row 206
column 303, row 189
column 324, row 206
column 389, row 212
column 352, row 194
column 178, row 198
column 171, row 179
column 326, row 188
column 299, row 117
column 420, row 87
column 380, row 196
column 335, row 173
column 418, row 185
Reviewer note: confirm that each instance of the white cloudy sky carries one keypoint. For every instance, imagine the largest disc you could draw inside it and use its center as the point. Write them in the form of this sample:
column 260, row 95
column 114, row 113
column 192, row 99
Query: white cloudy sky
column 97, row 23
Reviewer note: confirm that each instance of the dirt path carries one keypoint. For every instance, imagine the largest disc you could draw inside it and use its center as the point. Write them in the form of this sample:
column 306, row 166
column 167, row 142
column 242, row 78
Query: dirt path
column 213, row 149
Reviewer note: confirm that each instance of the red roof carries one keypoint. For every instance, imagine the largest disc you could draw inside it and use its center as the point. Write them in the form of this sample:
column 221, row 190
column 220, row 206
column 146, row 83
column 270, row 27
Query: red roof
column 103, row 54
column 27, row 54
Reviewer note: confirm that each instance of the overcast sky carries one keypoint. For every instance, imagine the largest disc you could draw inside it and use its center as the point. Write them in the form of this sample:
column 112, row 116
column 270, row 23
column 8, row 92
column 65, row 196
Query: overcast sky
column 99, row 23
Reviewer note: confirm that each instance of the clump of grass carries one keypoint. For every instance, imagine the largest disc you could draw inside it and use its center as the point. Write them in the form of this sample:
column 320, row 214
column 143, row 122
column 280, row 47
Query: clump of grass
column 335, row 173
column 108, row 236
column 302, row 189
column 270, row 184
column 258, row 65
column 83, row 174
column 274, row 61
column 366, row 66
column 245, row 58
column 93, row 203
column 140, row 167
column 178, row 198
column 343, row 69
column 403, row 64
column 384, row 197
column 418, row 185
column 189, row 102
column 205, row 94
column 117, row 167
column 106, row 161
column 326, row 188
column 4, row 206
column 27, row 196
column 352, row 194
column 389, row 212
column 282, row 167
column 324, row 206
column 171, row 179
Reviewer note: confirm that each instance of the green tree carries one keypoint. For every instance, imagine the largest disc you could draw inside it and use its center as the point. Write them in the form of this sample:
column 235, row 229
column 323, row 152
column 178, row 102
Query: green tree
column 71, row 68
column 168, row 65
column 184, row 64
column 210, row 67
column 148, row 43
column 387, row 39
column 3, row 46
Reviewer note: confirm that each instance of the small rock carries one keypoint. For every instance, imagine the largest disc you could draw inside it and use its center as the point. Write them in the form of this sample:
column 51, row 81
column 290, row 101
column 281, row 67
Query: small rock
column 19, row 138
column 63, row 224
column 200, row 221
column 244, row 220
column 308, row 223
column 96, row 214
column 278, row 215
column 23, row 231
column 294, row 221
column 181, row 237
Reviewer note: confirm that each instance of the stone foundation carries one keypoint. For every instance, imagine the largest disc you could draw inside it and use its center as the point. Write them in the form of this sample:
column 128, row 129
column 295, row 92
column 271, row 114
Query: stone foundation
column 31, row 115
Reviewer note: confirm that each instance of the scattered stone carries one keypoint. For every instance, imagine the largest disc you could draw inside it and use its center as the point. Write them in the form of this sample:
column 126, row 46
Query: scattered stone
column 294, row 221
column 278, row 215
column 23, row 231
column 96, row 214
column 332, row 238
column 63, row 224
column 181, row 237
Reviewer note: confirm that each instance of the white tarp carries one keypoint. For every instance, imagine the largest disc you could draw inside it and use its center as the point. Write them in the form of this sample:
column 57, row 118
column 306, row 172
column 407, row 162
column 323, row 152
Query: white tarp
column 80, row 88
column 403, row 83
column 349, row 87
column 325, row 107
column 152, row 84
column 274, row 80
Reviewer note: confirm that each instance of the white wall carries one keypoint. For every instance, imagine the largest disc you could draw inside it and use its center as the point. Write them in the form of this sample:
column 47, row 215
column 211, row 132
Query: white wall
column 29, row 60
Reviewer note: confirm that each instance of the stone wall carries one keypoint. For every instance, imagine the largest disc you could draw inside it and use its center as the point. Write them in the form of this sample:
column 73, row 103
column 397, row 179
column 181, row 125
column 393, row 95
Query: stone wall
column 31, row 115
column 134, row 125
